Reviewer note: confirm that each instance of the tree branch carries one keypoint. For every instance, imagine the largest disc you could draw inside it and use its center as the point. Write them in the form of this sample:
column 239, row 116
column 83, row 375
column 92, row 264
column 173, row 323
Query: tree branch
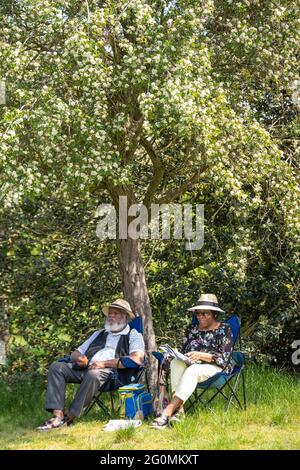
column 191, row 266
column 173, row 194
column 158, row 171
column 134, row 128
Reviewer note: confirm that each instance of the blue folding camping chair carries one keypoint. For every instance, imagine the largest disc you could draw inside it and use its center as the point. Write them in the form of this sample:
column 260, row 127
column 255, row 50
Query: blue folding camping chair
column 221, row 381
column 115, row 380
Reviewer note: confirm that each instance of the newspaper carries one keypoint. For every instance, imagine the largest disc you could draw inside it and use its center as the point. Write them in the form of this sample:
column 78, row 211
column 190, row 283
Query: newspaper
column 176, row 354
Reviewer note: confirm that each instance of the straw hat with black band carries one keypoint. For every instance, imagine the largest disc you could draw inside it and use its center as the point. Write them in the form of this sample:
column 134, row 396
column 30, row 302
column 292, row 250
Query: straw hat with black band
column 119, row 304
column 207, row 302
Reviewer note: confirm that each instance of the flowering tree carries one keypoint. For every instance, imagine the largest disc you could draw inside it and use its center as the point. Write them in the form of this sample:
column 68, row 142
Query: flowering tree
column 144, row 99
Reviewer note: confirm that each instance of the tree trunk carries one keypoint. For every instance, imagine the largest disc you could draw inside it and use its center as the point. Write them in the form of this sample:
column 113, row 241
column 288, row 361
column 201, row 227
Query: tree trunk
column 4, row 332
column 136, row 293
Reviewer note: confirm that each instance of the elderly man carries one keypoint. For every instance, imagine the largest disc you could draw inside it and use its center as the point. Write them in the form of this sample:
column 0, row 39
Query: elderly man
column 92, row 364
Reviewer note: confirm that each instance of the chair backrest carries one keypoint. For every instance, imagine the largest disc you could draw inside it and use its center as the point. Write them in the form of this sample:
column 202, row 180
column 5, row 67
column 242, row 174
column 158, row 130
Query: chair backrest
column 235, row 324
column 137, row 324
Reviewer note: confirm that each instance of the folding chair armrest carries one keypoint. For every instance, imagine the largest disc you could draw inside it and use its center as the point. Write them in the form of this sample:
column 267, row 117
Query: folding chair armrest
column 239, row 358
column 159, row 356
column 129, row 363
column 65, row 358
column 228, row 360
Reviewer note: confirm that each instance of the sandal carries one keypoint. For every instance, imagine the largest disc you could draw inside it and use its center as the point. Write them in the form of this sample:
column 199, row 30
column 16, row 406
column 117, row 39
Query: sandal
column 161, row 422
column 178, row 416
column 53, row 423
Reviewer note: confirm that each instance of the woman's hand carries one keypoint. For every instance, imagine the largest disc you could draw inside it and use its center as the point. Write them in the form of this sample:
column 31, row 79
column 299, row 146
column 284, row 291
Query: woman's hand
column 199, row 356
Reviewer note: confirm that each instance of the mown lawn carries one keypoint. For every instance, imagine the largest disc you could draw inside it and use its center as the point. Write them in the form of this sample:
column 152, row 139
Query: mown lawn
column 271, row 421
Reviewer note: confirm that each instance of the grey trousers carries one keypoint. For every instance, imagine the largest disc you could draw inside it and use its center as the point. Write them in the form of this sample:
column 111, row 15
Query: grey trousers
column 61, row 373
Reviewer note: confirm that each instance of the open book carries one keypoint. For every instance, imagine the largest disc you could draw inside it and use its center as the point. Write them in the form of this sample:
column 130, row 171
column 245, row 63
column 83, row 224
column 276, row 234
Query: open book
column 176, row 354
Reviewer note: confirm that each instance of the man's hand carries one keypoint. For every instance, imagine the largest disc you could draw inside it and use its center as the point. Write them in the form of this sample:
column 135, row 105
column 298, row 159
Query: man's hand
column 82, row 361
column 199, row 356
column 97, row 365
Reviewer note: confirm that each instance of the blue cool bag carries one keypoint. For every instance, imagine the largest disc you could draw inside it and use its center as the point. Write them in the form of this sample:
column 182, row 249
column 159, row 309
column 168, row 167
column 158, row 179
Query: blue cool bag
column 134, row 398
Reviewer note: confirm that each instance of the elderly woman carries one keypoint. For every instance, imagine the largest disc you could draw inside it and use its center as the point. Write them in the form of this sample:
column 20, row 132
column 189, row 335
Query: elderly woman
column 208, row 345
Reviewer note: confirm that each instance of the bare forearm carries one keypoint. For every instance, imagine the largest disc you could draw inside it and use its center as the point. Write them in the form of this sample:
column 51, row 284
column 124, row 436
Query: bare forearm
column 199, row 356
column 207, row 357
column 114, row 363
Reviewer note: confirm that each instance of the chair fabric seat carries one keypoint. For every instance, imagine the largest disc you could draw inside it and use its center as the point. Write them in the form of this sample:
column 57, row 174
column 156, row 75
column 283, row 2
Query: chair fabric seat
column 216, row 381
column 220, row 378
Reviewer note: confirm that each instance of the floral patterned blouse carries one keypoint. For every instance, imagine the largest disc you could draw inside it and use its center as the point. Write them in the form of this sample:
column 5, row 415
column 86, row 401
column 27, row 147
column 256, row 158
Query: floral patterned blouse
column 218, row 342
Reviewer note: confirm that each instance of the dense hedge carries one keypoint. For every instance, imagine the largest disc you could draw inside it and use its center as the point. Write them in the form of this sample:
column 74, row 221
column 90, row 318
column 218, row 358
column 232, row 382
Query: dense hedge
column 56, row 274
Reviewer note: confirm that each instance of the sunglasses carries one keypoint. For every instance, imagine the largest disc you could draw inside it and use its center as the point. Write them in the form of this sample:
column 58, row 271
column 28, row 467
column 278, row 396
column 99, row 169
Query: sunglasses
column 202, row 314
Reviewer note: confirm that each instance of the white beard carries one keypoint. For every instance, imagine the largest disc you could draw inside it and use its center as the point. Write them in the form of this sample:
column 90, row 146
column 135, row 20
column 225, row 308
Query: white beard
column 115, row 327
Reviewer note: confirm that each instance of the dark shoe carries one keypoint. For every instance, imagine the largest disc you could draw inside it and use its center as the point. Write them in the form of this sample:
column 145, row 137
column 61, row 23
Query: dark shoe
column 162, row 422
column 69, row 421
column 53, row 423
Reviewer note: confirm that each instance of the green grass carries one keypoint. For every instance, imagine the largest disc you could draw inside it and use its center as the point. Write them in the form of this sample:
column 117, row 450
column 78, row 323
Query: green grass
column 271, row 421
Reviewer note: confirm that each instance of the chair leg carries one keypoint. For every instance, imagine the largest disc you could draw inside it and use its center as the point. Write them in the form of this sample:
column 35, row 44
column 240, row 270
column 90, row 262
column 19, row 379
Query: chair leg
column 103, row 407
column 195, row 399
column 89, row 407
column 112, row 404
column 220, row 391
column 198, row 399
column 99, row 402
column 229, row 399
column 244, row 389
column 233, row 395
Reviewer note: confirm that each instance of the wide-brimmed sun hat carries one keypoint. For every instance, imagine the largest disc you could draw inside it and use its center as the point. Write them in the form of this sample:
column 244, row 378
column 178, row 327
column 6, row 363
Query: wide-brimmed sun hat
column 122, row 305
column 207, row 302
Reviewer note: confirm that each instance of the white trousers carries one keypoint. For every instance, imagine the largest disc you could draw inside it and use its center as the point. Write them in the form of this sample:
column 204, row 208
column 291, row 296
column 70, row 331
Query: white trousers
column 184, row 379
